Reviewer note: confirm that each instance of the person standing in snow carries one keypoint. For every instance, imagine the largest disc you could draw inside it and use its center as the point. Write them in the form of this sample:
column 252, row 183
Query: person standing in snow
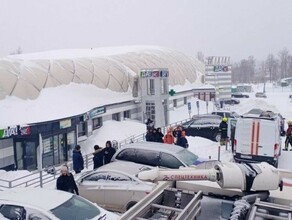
column 159, row 135
column 97, row 157
column 223, row 128
column 168, row 138
column 66, row 182
column 288, row 139
column 182, row 140
column 78, row 162
column 108, row 152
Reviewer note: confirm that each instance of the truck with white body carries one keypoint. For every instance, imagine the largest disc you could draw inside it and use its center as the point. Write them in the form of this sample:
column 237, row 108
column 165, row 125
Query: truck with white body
column 257, row 139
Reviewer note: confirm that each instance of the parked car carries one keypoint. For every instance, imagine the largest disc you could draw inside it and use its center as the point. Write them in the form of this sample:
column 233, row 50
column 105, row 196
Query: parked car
column 231, row 101
column 157, row 154
column 48, row 204
column 115, row 186
column 227, row 114
column 261, row 95
column 239, row 95
column 206, row 127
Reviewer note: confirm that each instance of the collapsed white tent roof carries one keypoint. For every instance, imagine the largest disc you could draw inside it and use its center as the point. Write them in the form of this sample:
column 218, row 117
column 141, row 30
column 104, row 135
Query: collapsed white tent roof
column 25, row 75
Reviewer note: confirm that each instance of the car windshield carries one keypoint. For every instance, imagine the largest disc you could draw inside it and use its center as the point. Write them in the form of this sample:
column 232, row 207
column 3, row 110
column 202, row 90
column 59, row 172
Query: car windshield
column 187, row 157
column 76, row 208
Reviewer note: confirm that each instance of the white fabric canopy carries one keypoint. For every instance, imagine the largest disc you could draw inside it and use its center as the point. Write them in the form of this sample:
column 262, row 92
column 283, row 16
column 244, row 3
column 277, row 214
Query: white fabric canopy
column 25, row 75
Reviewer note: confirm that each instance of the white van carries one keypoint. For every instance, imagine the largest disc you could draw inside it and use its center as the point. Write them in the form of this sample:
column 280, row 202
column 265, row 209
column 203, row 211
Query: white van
column 257, row 139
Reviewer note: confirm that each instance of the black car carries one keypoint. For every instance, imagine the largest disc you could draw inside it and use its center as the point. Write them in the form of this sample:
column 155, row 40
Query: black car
column 239, row 95
column 231, row 101
column 206, row 127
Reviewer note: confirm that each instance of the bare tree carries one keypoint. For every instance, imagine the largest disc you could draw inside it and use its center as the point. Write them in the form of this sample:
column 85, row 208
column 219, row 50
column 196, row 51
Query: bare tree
column 17, row 51
column 200, row 56
column 283, row 56
column 272, row 67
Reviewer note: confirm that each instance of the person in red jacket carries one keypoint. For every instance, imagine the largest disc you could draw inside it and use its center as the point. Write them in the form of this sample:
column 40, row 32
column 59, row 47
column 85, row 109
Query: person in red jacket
column 168, row 138
column 288, row 139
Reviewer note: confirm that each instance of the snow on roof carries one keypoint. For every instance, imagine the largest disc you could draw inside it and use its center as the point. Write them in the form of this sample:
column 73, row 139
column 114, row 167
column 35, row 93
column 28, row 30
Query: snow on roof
column 45, row 199
column 25, row 75
column 57, row 103
column 82, row 53
column 58, row 84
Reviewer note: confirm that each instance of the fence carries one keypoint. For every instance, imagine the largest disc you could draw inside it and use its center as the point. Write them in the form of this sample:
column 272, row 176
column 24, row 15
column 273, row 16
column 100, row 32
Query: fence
column 48, row 175
column 42, row 177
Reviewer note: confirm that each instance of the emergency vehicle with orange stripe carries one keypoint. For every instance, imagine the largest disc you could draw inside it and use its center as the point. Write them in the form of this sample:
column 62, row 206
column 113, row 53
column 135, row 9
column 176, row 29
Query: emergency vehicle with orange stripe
column 257, row 139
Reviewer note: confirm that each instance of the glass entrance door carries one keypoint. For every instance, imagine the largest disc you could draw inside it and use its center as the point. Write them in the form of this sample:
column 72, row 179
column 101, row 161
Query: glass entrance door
column 30, row 157
column 26, row 155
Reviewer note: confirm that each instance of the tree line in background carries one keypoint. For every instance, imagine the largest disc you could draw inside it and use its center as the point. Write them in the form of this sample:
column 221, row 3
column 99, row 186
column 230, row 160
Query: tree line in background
column 273, row 68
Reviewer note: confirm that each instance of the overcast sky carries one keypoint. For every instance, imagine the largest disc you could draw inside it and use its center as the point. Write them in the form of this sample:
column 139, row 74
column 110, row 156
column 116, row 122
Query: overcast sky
column 235, row 28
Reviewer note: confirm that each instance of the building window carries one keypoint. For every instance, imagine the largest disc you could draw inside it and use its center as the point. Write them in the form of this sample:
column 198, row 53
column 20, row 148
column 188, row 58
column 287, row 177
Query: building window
column 150, row 110
column 185, row 100
column 174, row 103
column 116, row 117
column 81, row 129
column 97, row 123
column 150, row 87
column 127, row 114
column 163, row 83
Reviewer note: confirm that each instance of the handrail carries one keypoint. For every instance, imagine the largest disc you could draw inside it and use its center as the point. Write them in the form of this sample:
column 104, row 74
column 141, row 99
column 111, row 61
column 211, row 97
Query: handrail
column 42, row 177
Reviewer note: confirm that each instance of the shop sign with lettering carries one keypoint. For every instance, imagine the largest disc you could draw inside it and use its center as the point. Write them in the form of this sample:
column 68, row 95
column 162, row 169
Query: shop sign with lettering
column 11, row 131
column 97, row 111
column 65, row 123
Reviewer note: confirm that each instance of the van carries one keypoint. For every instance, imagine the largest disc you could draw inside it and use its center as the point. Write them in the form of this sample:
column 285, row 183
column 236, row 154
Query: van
column 257, row 139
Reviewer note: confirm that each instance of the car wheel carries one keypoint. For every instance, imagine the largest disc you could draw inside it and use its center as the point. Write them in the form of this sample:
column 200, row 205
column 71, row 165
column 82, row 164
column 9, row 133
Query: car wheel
column 217, row 137
column 131, row 204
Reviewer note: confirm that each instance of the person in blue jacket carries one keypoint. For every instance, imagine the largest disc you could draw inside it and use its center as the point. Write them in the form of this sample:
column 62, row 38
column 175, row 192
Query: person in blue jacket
column 78, row 163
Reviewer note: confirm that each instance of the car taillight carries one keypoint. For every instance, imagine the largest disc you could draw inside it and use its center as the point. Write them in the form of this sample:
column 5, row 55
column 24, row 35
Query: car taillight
column 276, row 146
column 235, row 144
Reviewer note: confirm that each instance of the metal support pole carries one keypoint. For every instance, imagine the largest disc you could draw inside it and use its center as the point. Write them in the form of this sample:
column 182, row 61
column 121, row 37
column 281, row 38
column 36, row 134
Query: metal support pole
column 41, row 178
column 219, row 149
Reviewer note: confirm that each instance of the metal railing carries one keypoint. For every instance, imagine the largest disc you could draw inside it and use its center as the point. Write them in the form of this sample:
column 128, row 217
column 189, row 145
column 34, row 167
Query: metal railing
column 47, row 175
column 42, row 177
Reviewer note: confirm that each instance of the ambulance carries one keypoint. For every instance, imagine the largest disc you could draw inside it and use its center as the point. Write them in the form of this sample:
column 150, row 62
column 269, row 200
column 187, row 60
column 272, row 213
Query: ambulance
column 257, row 139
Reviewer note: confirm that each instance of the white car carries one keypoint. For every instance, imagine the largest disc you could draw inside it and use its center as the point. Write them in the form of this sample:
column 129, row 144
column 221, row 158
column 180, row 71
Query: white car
column 48, row 204
column 114, row 186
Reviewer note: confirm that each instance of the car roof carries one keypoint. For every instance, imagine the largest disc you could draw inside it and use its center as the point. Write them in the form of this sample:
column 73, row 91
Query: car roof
column 154, row 146
column 127, row 167
column 45, row 199
column 206, row 116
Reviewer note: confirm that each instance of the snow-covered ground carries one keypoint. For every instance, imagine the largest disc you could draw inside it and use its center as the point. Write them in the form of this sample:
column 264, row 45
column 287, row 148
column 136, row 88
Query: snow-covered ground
column 277, row 100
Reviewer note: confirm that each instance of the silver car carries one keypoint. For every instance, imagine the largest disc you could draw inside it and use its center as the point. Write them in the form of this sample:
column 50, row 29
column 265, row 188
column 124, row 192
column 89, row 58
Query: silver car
column 114, row 186
column 158, row 154
column 48, row 204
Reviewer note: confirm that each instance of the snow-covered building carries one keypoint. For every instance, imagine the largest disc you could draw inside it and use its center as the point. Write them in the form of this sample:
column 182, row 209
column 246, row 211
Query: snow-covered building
column 50, row 101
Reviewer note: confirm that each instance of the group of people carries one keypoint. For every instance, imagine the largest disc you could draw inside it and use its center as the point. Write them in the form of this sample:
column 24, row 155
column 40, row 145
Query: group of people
column 173, row 136
column 101, row 156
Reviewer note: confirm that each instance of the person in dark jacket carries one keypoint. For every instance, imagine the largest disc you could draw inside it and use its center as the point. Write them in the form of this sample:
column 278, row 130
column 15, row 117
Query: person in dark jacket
column 108, row 152
column 182, row 140
column 159, row 135
column 97, row 157
column 150, row 135
column 288, row 139
column 223, row 128
column 78, row 163
column 66, row 182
